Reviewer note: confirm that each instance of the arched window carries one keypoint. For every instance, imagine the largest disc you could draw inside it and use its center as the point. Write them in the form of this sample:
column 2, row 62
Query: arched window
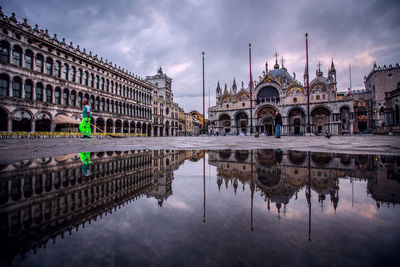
column 49, row 94
column 28, row 59
column 17, row 55
column 107, row 85
column 16, row 87
column 57, row 69
column 97, row 103
column 4, row 52
column 79, row 78
column 120, row 90
column 39, row 92
column 91, row 102
column 111, row 87
column 107, row 108
column 116, row 88
column 317, row 97
column 39, row 63
column 73, row 98
column 4, row 80
column 91, row 81
column 28, row 90
column 97, row 82
column 57, row 96
column 102, row 83
column 102, row 104
column 65, row 96
column 65, row 71
column 79, row 100
column 85, row 78
column 72, row 74
column 49, row 66
column 294, row 99
column 112, row 106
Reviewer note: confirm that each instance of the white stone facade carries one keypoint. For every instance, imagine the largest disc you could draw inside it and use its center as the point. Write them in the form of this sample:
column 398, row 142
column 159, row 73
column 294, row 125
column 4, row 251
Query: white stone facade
column 42, row 77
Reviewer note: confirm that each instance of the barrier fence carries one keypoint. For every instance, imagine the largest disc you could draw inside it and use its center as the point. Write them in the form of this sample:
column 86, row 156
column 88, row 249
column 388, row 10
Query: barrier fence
column 37, row 135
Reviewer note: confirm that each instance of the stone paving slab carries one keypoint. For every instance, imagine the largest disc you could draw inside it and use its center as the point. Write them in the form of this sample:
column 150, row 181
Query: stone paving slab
column 18, row 149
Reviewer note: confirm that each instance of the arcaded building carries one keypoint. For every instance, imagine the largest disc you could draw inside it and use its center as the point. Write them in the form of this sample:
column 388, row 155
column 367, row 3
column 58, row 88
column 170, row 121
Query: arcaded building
column 277, row 90
column 42, row 77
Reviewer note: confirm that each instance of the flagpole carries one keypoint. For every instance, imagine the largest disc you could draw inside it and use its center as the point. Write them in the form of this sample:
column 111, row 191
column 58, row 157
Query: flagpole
column 308, row 89
column 251, row 93
column 204, row 118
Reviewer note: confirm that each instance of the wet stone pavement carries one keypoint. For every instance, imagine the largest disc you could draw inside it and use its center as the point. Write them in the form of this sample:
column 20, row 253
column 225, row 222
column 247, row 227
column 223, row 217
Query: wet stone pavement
column 214, row 207
column 365, row 144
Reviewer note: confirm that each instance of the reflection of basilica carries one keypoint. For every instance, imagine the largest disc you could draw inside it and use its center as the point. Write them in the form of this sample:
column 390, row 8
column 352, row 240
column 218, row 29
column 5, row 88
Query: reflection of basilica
column 280, row 175
column 44, row 198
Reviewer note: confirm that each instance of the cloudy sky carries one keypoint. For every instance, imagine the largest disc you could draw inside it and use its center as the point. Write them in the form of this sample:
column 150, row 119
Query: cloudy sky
column 141, row 35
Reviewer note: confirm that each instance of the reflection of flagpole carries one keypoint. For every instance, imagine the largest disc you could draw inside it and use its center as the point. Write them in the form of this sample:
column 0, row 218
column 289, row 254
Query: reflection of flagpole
column 308, row 196
column 204, row 118
column 308, row 89
column 204, row 187
column 252, row 189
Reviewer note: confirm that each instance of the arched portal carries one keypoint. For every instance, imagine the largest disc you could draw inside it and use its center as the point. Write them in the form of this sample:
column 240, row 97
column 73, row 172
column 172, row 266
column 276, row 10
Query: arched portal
column 21, row 121
column 296, row 121
column 126, row 127
column 138, row 127
column 320, row 118
column 167, row 128
column 118, row 126
column 100, row 124
column 3, row 120
column 345, row 119
column 144, row 128
column 109, row 126
column 265, row 120
column 43, row 122
column 241, row 120
column 225, row 123
column 132, row 127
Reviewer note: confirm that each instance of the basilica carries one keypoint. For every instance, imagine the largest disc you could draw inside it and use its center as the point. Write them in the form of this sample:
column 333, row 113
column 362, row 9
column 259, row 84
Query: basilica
column 277, row 90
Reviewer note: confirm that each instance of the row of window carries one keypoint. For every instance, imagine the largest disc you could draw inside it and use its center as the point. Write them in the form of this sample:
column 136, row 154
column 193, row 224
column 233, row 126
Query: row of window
column 69, row 73
column 67, row 97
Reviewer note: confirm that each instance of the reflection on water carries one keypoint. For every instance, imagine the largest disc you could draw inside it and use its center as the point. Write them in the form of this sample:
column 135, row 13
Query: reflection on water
column 42, row 200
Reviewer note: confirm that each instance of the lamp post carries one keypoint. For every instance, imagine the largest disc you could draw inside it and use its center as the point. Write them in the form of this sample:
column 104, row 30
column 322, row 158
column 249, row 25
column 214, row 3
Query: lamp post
column 308, row 89
column 251, row 93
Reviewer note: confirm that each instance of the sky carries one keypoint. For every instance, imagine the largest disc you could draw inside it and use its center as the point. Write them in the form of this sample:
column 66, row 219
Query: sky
column 142, row 35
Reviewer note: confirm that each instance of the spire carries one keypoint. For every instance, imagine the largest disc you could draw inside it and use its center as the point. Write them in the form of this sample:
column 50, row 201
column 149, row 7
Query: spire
column 160, row 71
column 276, row 66
column 282, row 61
column 332, row 66
column 226, row 89
column 234, row 87
column 218, row 86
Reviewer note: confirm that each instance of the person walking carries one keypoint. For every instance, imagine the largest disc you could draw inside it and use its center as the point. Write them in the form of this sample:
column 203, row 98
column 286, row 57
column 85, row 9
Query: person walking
column 84, row 127
column 278, row 123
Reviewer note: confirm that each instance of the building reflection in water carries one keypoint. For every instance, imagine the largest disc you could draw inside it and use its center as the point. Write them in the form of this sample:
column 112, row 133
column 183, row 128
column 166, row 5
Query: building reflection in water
column 279, row 176
column 45, row 198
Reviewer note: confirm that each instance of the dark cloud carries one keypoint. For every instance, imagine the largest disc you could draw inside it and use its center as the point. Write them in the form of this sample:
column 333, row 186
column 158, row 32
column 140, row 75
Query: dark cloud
column 142, row 35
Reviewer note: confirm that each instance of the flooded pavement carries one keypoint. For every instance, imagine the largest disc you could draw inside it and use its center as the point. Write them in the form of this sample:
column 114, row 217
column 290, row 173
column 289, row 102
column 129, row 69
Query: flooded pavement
column 196, row 208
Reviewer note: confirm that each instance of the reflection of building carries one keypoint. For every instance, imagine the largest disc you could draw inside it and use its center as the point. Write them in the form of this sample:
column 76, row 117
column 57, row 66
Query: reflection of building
column 44, row 198
column 42, row 77
column 277, row 90
column 280, row 175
